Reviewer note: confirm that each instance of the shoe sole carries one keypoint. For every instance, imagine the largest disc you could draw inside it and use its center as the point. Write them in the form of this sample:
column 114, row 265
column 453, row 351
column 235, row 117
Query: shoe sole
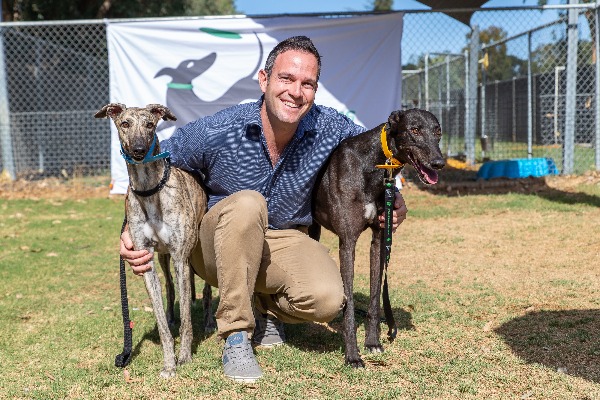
column 268, row 346
column 243, row 379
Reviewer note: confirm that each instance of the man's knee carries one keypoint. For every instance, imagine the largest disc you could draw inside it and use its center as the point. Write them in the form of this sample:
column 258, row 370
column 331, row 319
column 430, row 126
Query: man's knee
column 329, row 301
column 247, row 205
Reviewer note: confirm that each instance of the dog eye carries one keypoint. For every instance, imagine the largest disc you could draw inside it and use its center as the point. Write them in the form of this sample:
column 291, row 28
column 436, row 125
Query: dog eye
column 415, row 131
column 149, row 125
column 124, row 124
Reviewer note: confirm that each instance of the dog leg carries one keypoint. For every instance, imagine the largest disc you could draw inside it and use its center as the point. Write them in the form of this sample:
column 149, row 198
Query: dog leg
column 182, row 273
column 347, row 253
column 210, row 324
column 154, row 291
column 373, row 327
column 164, row 260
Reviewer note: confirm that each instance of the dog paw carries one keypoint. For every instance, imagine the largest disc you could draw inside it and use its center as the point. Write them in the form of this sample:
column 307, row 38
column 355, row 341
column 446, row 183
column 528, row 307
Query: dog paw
column 184, row 358
column 355, row 362
column 374, row 349
column 167, row 373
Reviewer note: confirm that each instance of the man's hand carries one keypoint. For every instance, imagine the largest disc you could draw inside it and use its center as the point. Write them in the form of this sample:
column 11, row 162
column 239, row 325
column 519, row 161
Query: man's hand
column 399, row 213
column 137, row 259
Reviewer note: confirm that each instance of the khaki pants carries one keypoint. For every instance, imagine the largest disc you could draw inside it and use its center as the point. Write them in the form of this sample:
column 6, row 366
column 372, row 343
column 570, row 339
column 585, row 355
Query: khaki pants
column 292, row 276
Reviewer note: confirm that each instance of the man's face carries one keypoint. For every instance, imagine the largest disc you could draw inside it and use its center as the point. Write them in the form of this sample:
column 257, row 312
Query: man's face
column 290, row 90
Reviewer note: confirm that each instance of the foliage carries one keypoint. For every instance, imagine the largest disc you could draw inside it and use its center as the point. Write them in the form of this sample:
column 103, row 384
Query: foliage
column 382, row 5
column 37, row 10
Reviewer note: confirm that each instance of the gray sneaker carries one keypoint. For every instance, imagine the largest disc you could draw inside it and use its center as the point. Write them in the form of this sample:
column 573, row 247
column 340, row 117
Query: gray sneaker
column 239, row 362
column 268, row 331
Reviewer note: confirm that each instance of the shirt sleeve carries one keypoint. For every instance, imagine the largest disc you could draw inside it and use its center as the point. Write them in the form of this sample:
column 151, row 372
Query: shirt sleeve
column 186, row 146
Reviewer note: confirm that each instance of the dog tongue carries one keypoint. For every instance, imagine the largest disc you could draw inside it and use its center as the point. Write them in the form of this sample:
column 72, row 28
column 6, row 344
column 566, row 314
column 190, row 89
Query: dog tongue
column 430, row 175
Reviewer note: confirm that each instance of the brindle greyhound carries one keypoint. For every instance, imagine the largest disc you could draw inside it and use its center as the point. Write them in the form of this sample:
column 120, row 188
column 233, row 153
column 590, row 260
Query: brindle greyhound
column 348, row 198
column 163, row 214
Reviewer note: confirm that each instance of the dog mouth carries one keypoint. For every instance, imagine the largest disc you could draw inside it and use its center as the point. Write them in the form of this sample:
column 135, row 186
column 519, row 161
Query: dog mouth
column 428, row 175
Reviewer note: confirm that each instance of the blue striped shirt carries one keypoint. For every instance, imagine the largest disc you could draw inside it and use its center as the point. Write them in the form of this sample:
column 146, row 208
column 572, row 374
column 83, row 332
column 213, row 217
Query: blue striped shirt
column 229, row 149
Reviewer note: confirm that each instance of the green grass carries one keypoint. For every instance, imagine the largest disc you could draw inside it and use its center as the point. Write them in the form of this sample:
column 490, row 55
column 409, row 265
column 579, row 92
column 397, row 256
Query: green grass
column 61, row 318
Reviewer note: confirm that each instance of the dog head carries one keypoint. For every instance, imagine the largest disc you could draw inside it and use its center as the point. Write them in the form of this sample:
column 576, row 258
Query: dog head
column 414, row 139
column 136, row 126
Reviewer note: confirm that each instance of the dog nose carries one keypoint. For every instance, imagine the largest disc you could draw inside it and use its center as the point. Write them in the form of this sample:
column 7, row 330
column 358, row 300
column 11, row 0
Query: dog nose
column 138, row 151
column 438, row 163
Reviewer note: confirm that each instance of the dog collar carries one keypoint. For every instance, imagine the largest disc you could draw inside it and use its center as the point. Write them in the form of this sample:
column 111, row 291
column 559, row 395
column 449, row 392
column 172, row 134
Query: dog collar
column 148, row 157
column 161, row 184
column 390, row 162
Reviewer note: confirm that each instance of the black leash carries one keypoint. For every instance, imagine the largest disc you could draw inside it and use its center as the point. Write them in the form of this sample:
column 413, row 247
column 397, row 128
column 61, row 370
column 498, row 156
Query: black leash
column 121, row 360
column 386, row 250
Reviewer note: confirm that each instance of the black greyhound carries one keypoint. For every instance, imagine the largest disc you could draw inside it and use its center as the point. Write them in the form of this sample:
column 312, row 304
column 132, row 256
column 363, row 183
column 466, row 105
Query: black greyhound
column 348, row 198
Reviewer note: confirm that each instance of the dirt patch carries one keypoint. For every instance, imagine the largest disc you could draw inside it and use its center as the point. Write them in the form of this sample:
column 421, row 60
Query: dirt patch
column 55, row 188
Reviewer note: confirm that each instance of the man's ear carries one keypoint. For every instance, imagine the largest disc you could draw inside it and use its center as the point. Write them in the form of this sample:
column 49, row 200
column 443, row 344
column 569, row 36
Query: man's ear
column 263, row 80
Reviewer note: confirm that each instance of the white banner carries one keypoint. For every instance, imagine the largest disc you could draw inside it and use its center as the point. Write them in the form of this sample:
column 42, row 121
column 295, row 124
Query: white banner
column 197, row 67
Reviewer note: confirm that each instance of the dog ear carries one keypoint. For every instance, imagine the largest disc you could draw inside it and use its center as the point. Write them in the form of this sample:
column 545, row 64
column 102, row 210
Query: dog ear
column 110, row 110
column 395, row 123
column 161, row 112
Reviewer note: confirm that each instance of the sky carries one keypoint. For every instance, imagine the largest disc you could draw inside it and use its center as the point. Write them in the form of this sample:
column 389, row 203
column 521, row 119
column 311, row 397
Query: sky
column 261, row 7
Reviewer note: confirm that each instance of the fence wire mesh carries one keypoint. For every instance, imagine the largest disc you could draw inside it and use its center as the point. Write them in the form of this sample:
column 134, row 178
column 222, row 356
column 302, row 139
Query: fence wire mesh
column 522, row 88
column 57, row 78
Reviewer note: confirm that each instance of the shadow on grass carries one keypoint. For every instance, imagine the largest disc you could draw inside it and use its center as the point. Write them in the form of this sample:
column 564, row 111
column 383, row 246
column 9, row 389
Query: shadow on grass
column 564, row 341
column 197, row 326
column 457, row 182
column 329, row 337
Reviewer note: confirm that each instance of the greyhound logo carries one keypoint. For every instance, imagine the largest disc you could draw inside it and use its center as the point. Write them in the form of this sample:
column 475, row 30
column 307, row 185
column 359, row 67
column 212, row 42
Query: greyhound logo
column 181, row 99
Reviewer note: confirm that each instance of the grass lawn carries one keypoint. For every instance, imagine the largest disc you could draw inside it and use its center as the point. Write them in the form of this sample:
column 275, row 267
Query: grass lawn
column 497, row 297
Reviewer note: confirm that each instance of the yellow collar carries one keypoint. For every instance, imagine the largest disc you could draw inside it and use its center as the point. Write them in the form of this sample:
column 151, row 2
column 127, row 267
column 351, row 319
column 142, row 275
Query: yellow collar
column 391, row 162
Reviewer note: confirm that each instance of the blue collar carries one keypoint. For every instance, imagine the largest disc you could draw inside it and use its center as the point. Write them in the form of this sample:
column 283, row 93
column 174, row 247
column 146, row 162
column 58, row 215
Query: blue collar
column 148, row 157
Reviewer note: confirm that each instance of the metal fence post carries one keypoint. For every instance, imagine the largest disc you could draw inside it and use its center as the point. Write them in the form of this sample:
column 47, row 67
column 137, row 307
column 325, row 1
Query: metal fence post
column 529, row 100
column 571, row 99
column 8, row 163
column 427, row 81
column 472, row 97
column 597, row 88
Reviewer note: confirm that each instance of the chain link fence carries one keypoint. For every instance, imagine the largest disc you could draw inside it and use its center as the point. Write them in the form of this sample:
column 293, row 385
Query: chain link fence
column 504, row 95
column 520, row 108
column 57, row 78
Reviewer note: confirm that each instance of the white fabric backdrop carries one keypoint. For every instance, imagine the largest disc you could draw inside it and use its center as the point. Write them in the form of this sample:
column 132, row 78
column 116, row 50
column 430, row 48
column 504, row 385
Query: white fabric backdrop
column 197, row 67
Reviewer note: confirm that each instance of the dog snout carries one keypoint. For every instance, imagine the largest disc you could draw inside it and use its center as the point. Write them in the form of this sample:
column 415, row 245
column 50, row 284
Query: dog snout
column 138, row 150
column 438, row 163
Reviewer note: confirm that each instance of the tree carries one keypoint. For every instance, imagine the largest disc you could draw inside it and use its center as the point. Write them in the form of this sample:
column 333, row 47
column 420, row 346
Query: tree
column 48, row 10
column 382, row 5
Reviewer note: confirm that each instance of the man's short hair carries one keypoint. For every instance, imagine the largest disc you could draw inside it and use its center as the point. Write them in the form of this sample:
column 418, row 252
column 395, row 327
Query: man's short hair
column 298, row 43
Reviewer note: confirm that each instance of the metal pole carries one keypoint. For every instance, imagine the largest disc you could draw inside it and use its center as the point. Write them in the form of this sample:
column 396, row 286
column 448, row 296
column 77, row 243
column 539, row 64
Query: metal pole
column 427, row 81
column 514, row 109
column 8, row 163
column 597, row 97
column 570, row 101
column 470, row 133
column 467, row 91
column 529, row 101
column 447, row 101
column 557, row 71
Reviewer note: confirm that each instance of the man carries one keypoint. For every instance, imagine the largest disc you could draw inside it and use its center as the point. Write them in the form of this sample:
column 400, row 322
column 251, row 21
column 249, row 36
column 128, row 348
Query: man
column 260, row 162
